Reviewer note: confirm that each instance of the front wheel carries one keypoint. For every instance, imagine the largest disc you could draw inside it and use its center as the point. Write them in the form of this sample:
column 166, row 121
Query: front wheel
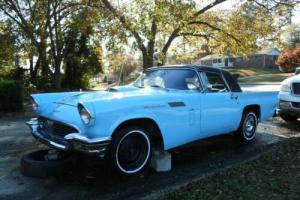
column 130, row 150
column 248, row 126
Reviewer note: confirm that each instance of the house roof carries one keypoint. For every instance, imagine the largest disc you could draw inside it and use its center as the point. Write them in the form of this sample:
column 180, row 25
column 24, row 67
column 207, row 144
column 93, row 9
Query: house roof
column 270, row 52
column 213, row 56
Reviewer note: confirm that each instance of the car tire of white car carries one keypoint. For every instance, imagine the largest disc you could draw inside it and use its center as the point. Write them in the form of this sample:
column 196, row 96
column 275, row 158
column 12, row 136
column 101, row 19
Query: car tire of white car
column 130, row 150
column 248, row 126
column 288, row 118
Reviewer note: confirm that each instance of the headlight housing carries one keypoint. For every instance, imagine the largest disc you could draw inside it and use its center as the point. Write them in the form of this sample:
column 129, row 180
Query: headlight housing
column 285, row 87
column 84, row 114
column 34, row 104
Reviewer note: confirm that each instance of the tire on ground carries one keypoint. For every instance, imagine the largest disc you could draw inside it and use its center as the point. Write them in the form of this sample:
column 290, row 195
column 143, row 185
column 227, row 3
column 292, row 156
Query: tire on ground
column 34, row 165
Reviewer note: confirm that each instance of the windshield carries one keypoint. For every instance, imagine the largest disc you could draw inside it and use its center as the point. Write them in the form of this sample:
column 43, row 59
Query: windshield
column 180, row 79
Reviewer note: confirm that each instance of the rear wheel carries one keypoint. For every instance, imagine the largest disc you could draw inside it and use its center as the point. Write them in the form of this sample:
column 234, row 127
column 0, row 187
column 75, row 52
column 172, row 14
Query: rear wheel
column 288, row 118
column 130, row 150
column 248, row 126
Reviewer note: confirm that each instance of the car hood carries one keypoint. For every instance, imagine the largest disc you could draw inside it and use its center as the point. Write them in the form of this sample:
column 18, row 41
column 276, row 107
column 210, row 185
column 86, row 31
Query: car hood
column 292, row 79
column 110, row 94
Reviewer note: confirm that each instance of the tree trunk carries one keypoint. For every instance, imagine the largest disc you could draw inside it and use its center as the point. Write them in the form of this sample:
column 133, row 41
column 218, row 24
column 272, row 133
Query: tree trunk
column 148, row 55
column 34, row 70
column 57, row 74
column 147, row 60
column 44, row 67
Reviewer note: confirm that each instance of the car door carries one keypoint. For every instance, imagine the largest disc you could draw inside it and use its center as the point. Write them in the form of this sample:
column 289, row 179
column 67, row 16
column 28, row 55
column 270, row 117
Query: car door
column 180, row 119
column 220, row 109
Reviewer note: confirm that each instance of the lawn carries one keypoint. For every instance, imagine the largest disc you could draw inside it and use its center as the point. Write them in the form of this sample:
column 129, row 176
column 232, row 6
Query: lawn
column 266, row 78
column 259, row 75
column 253, row 71
column 273, row 176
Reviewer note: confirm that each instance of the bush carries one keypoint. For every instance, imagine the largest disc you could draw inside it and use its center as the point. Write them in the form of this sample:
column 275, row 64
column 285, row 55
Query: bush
column 11, row 96
column 289, row 60
column 12, row 73
column 6, row 72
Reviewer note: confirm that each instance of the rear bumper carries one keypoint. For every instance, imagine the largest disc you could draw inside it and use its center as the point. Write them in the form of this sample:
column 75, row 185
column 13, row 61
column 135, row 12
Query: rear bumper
column 71, row 142
column 291, row 108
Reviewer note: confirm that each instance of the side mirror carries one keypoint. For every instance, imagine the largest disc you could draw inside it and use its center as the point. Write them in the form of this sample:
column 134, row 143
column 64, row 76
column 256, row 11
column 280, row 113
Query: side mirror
column 209, row 87
column 192, row 86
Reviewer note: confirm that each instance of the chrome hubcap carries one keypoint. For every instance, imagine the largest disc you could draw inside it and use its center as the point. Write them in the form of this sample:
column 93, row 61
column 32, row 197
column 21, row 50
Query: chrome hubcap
column 250, row 126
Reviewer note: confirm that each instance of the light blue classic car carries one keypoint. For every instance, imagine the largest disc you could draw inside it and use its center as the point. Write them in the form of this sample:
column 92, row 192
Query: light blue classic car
column 164, row 108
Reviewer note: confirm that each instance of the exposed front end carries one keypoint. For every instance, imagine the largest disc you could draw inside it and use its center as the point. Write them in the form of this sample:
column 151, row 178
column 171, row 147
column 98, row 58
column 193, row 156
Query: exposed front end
column 64, row 137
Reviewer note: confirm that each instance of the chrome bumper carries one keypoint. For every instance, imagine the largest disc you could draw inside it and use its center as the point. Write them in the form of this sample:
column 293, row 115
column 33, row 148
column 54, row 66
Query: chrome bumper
column 288, row 107
column 70, row 142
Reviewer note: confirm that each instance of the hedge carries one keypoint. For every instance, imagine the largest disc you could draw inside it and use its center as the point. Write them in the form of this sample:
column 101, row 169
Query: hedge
column 11, row 96
column 289, row 60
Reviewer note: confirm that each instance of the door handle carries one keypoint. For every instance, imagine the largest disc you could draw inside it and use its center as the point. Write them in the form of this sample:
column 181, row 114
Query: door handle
column 234, row 96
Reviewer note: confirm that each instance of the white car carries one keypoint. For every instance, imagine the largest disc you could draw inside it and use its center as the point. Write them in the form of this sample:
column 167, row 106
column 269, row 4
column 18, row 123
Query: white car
column 289, row 99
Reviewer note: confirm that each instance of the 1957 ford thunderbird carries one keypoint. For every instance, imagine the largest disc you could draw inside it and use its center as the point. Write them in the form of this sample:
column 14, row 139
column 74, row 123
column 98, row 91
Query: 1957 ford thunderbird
column 164, row 108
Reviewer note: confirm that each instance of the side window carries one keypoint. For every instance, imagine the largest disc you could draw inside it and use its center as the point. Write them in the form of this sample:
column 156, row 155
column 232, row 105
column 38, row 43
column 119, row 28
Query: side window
column 192, row 82
column 214, row 82
column 181, row 79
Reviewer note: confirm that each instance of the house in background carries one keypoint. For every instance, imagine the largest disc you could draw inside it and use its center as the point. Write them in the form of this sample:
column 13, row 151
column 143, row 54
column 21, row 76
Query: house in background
column 264, row 58
column 216, row 60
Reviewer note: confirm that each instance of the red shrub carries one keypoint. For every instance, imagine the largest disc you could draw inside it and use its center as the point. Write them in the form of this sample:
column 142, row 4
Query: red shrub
column 289, row 60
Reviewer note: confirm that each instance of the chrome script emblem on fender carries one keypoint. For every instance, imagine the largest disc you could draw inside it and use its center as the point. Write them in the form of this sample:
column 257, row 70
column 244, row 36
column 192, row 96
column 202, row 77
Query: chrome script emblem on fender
column 56, row 110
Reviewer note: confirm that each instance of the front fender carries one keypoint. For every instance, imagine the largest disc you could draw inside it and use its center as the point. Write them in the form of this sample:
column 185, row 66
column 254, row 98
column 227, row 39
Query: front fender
column 121, row 120
column 46, row 101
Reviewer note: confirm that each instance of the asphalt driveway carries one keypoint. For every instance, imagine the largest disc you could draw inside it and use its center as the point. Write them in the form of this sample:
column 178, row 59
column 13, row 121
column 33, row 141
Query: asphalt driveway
column 96, row 180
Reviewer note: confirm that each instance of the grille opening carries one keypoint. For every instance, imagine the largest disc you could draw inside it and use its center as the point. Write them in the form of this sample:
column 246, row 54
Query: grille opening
column 56, row 128
column 296, row 88
column 296, row 104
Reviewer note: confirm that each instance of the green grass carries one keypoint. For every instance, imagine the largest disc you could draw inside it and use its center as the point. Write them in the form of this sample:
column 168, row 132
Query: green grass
column 273, row 176
column 259, row 74
column 279, row 77
column 253, row 71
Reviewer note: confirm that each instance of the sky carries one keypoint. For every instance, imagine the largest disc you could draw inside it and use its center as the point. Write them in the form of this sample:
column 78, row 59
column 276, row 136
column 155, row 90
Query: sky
column 230, row 3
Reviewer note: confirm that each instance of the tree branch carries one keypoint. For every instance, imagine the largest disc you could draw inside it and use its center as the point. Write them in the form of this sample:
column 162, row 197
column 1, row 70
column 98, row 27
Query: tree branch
column 176, row 31
column 206, row 8
column 276, row 4
column 21, row 22
column 216, row 29
column 125, row 23
column 206, row 36
column 151, row 41
column 173, row 35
